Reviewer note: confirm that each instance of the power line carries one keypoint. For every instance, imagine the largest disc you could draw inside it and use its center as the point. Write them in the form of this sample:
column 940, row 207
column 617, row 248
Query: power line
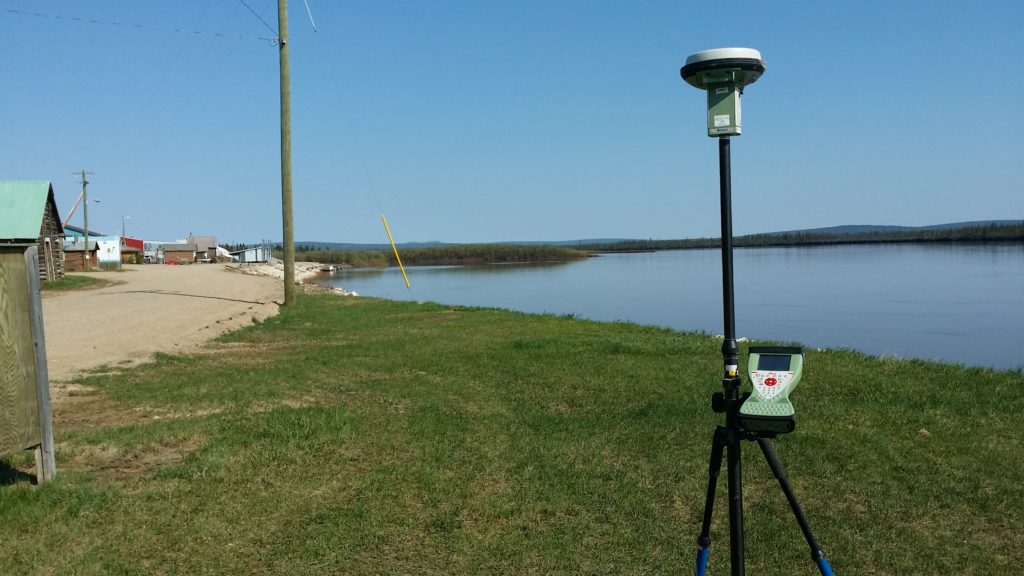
column 260, row 18
column 143, row 26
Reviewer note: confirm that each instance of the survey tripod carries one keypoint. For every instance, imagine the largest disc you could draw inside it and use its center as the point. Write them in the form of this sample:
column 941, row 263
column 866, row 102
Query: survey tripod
column 729, row 438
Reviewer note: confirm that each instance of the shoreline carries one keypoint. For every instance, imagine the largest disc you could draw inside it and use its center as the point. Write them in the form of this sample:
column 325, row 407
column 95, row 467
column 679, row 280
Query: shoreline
column 305, row 274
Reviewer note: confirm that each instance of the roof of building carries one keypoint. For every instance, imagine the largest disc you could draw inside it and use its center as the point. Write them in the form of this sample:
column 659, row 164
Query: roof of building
column 253, row 249
column 77, row 246
column 79, row 230
column 180, row 248
column 24, row 204
column 203, row 242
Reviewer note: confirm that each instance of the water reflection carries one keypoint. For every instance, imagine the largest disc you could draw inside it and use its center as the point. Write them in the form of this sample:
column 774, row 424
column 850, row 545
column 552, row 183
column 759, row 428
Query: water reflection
column 955, row 302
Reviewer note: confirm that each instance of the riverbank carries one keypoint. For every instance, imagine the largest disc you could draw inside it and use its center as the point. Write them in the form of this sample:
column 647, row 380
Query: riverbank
column 308, row 274
column 362, row 436
column 304, row 271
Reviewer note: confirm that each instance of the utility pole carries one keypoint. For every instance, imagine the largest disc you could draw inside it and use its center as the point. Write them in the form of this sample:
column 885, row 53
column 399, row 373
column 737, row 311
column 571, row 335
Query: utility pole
column 85, row 214
column 286, row 155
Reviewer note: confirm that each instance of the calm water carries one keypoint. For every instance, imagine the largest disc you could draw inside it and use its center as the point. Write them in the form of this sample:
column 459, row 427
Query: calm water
column 958, row 303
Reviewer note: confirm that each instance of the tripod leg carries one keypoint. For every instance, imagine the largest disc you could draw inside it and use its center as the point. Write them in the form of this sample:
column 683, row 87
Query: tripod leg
column 780, row 474
column 714, row 470
column 735, row 470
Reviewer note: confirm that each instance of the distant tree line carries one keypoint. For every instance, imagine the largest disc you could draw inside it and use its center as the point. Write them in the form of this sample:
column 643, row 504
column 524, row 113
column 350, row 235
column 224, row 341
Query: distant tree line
column 987, row 233
column 463, row 254
column 456, row 254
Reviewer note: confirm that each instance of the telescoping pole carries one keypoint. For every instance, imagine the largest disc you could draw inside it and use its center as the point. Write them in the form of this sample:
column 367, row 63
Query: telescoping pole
column 731, row 379
column 730, row 352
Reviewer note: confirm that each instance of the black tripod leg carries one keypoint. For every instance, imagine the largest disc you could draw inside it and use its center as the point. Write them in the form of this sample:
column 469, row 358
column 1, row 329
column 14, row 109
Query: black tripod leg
column 780, row 474
column 735, row 470
column 714, row 470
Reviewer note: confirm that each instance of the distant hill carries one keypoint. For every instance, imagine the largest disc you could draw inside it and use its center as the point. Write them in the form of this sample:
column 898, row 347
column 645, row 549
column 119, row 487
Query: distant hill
column 435, row 244
column 870, row 228
column 356, row 246
column 845, row 230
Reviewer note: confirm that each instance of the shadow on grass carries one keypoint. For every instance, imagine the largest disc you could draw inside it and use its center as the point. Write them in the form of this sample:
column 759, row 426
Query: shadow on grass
column 11, row 475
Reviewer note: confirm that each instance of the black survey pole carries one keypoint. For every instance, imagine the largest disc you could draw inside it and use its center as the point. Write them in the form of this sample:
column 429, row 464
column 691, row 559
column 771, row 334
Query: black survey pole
column 730, row 380
column 730, row 352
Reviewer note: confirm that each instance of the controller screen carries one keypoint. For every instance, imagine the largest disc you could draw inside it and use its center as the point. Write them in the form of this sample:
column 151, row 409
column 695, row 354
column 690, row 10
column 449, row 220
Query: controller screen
column 773, row 362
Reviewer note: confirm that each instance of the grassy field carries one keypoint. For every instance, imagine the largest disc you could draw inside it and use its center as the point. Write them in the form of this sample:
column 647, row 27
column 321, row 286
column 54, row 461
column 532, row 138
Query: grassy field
column 73, row 282
column 358, row 436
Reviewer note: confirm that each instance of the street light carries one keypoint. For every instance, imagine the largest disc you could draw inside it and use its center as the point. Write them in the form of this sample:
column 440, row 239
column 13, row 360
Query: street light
column 85, row 225
column 123, row 218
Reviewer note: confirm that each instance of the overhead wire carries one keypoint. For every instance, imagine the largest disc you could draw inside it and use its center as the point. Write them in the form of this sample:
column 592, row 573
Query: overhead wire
column 140, row 26
column 150, row 120
column 156, row 122
column 260, row 18
column 369, row 179
column 158, row 88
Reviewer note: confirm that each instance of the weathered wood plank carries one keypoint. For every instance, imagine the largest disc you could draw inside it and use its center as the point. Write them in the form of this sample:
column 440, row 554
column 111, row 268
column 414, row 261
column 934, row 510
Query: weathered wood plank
column 46, row 464
column 19, row 410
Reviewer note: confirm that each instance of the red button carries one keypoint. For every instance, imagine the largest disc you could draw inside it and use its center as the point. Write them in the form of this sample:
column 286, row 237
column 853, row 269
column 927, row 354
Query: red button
column 770, row 381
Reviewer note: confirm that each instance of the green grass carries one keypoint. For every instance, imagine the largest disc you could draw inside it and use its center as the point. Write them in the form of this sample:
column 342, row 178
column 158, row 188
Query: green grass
column 358, row 436
column 70, row 282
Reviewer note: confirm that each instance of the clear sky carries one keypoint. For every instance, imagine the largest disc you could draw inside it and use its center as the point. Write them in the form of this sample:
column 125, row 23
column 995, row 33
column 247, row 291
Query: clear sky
column 478, row 120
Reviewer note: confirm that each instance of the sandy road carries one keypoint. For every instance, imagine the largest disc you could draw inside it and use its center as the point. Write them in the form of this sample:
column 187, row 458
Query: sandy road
column 153, row 308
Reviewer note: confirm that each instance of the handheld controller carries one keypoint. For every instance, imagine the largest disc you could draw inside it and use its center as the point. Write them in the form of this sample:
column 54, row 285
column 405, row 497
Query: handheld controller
column 774, row 373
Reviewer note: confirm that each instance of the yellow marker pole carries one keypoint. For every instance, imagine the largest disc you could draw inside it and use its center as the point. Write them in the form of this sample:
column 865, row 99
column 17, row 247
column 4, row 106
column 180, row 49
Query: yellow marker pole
column 395, row 248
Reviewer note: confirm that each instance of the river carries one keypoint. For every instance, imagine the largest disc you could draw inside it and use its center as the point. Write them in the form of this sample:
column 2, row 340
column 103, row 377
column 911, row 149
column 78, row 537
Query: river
column 961, row 303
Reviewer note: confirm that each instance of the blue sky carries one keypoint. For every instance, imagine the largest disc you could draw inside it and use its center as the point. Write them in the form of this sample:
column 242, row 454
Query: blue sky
column 478, row 121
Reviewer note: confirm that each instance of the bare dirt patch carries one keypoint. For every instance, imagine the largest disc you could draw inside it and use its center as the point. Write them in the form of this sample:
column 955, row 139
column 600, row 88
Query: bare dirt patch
column 153, row 308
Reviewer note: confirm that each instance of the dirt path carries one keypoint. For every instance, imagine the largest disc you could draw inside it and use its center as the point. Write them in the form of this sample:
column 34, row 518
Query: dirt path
column 150, row 309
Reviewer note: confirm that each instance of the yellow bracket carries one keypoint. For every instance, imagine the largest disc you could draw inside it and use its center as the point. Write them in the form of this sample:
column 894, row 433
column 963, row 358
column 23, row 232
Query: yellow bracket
column 395, row 248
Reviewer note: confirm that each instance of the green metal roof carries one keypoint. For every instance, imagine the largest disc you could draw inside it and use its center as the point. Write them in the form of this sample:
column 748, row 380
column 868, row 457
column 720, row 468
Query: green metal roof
column 22, row 206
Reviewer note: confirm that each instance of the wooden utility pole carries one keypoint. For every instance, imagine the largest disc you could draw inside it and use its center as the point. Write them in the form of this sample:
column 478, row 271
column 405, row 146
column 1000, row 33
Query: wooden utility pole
column 286, row 155
column 85, row 216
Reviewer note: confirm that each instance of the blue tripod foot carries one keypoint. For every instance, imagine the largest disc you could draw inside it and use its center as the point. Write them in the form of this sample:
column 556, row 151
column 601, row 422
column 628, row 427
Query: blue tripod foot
column 824, row 568
column 702, row 562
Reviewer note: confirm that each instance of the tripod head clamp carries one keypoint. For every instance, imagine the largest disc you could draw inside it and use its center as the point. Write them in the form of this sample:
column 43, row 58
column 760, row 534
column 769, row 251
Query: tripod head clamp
column 731, row 359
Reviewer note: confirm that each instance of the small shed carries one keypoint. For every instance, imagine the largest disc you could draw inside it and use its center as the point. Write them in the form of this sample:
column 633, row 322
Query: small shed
column 252, row 255
column 180, row 253
column 28, row 215
column 75, row 255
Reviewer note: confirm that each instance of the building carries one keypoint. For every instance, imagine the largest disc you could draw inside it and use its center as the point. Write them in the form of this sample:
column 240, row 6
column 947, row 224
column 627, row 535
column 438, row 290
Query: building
column 131, row 250
column 130, row 255
column 153, row 250
column 180, row 253
column 75, row 233
column 109, row 252
column 206, row 247
column 28, row 215
column 75, row 255
column 252, row 255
